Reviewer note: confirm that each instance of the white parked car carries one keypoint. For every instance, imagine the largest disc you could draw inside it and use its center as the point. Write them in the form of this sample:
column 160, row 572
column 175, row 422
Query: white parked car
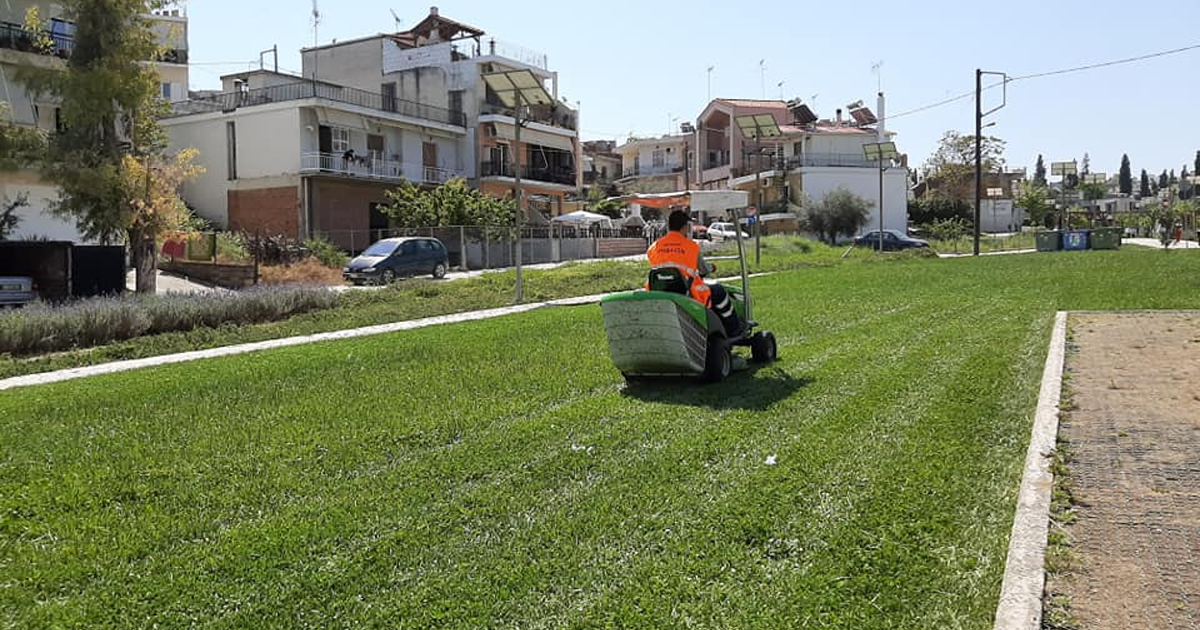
column 721, row 231
column 17, row 291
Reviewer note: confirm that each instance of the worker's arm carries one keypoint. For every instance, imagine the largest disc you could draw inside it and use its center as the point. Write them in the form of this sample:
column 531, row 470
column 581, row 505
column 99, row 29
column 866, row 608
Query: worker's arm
column 704, row 267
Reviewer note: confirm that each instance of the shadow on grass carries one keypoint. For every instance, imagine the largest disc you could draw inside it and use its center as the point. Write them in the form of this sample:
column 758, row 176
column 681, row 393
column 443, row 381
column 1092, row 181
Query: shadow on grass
column 753, row 389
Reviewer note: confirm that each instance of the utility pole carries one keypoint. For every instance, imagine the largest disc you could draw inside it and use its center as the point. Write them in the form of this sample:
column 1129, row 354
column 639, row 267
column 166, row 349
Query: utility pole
column 978, row 150
column 979, row 115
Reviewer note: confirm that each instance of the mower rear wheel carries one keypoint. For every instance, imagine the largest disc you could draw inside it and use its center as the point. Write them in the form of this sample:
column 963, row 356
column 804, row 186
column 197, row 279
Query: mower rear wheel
column 718, row 361
column 763, row 348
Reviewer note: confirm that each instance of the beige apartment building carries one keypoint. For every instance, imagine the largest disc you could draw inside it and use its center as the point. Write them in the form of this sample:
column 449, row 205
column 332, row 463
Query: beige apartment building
column 42, row 112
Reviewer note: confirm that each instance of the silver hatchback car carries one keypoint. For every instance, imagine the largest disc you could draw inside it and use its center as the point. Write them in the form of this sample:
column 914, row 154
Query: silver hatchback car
column 17, row 290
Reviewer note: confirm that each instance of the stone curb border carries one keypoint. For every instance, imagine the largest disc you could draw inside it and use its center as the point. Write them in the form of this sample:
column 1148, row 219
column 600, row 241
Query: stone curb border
column 69, row 374
column 1020, row 606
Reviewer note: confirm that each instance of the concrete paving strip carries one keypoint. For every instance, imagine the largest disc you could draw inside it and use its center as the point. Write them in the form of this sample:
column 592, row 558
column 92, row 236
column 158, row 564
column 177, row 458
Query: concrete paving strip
column 1020, row 605
column 270, row 344
column 1006, row 252
column 1155, row 243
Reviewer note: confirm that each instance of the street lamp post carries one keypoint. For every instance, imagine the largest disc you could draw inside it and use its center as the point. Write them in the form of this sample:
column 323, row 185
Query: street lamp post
column 878, row 152
column 756, row 127
column 516, row 89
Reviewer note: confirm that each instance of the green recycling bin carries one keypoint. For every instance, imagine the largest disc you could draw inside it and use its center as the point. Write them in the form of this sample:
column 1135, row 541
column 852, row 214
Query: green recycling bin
column 1106, row 238
column 1049, row 241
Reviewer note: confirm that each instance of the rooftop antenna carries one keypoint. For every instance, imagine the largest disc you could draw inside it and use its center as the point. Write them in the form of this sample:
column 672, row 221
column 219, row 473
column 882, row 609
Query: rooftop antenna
column 877, row 70
column 762, row 72
column 316, row 21
column 397, row 18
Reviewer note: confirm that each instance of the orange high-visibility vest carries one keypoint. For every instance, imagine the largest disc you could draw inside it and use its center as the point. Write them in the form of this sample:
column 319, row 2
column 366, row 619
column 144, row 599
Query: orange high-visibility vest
column 680, row 252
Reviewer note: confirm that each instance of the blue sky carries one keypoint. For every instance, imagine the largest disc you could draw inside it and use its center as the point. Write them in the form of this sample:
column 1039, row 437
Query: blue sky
column 635, row 65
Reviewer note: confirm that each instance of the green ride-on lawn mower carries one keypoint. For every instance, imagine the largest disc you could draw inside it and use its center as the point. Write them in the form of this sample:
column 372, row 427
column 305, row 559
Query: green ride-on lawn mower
column 664, row 332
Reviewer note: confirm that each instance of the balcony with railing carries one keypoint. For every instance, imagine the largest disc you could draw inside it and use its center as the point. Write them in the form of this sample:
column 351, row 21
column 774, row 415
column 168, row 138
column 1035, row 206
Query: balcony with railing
column 16, row 37
column 649, row 171
column 371, row 167
column 856, row 160
column 550, row 175
column 558, row 115
column 303, row 90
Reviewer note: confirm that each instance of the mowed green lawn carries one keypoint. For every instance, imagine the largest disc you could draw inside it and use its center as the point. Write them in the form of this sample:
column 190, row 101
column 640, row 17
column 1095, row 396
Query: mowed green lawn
column 499, row 474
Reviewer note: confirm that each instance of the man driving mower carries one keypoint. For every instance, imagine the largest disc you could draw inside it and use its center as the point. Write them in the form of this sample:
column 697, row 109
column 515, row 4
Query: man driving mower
column 679, row 252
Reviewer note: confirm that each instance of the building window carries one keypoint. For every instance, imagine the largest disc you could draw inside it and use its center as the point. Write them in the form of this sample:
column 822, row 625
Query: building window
column 166, row 91
column 231, row 149
column 375, row 146
column 499, row 155
column 659, row 158
column 388, row 95
column 456, row 105
column 604, row 173
column 340, row 140
column 58, row 121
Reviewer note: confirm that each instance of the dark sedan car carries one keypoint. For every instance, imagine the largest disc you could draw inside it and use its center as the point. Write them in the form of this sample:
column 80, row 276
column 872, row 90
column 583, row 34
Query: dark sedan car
column 892, row 240
column 392, row 258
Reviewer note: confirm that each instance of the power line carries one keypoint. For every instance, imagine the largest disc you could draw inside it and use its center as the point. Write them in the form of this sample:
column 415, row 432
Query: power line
column 1093, row 66
column 1106, row 64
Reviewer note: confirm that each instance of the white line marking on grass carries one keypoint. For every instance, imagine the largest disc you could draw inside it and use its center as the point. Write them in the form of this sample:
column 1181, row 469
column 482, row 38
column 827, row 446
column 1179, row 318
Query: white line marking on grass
column 196, row 355
column 1020, row 605
column 135, row 364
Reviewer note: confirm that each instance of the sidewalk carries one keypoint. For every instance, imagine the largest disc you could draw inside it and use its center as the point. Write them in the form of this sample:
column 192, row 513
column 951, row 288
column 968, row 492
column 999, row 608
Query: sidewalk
column 475, row 273
column 1133, row 434
column 1153, row 242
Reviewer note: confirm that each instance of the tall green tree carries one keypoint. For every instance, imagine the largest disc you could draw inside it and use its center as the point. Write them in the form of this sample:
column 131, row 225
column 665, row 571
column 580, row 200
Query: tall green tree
column 20, row 147
column 1196, row 164
column 839, row 213
column 1164, row 181
column 452, row 203
column 598, row 201
column 1145, row 184
column 109, row 92
column 1039, row 172
column 1172, row 179
column 1092, row 191
column 1035, row 201
column 952, row 165
column 1125, row 179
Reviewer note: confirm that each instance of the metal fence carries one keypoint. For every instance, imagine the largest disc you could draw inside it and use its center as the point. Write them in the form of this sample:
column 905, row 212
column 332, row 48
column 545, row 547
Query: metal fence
column 475, row 247
column 17, row 37
column 229, row 101
column 374, row 167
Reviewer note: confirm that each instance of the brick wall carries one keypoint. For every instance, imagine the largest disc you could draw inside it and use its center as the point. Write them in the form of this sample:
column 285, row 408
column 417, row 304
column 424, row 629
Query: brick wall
column 269, row 211
column 342, row 209
column 228, row 276
column 614, row 247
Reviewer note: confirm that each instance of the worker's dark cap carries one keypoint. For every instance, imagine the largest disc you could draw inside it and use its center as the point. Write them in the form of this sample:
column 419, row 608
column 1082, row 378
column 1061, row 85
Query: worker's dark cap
column 678, row 219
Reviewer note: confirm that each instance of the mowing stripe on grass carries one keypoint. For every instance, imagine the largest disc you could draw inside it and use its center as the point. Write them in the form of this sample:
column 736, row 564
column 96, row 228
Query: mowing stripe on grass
column 382, row 329
column 134, row 364
column 1020, row 605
